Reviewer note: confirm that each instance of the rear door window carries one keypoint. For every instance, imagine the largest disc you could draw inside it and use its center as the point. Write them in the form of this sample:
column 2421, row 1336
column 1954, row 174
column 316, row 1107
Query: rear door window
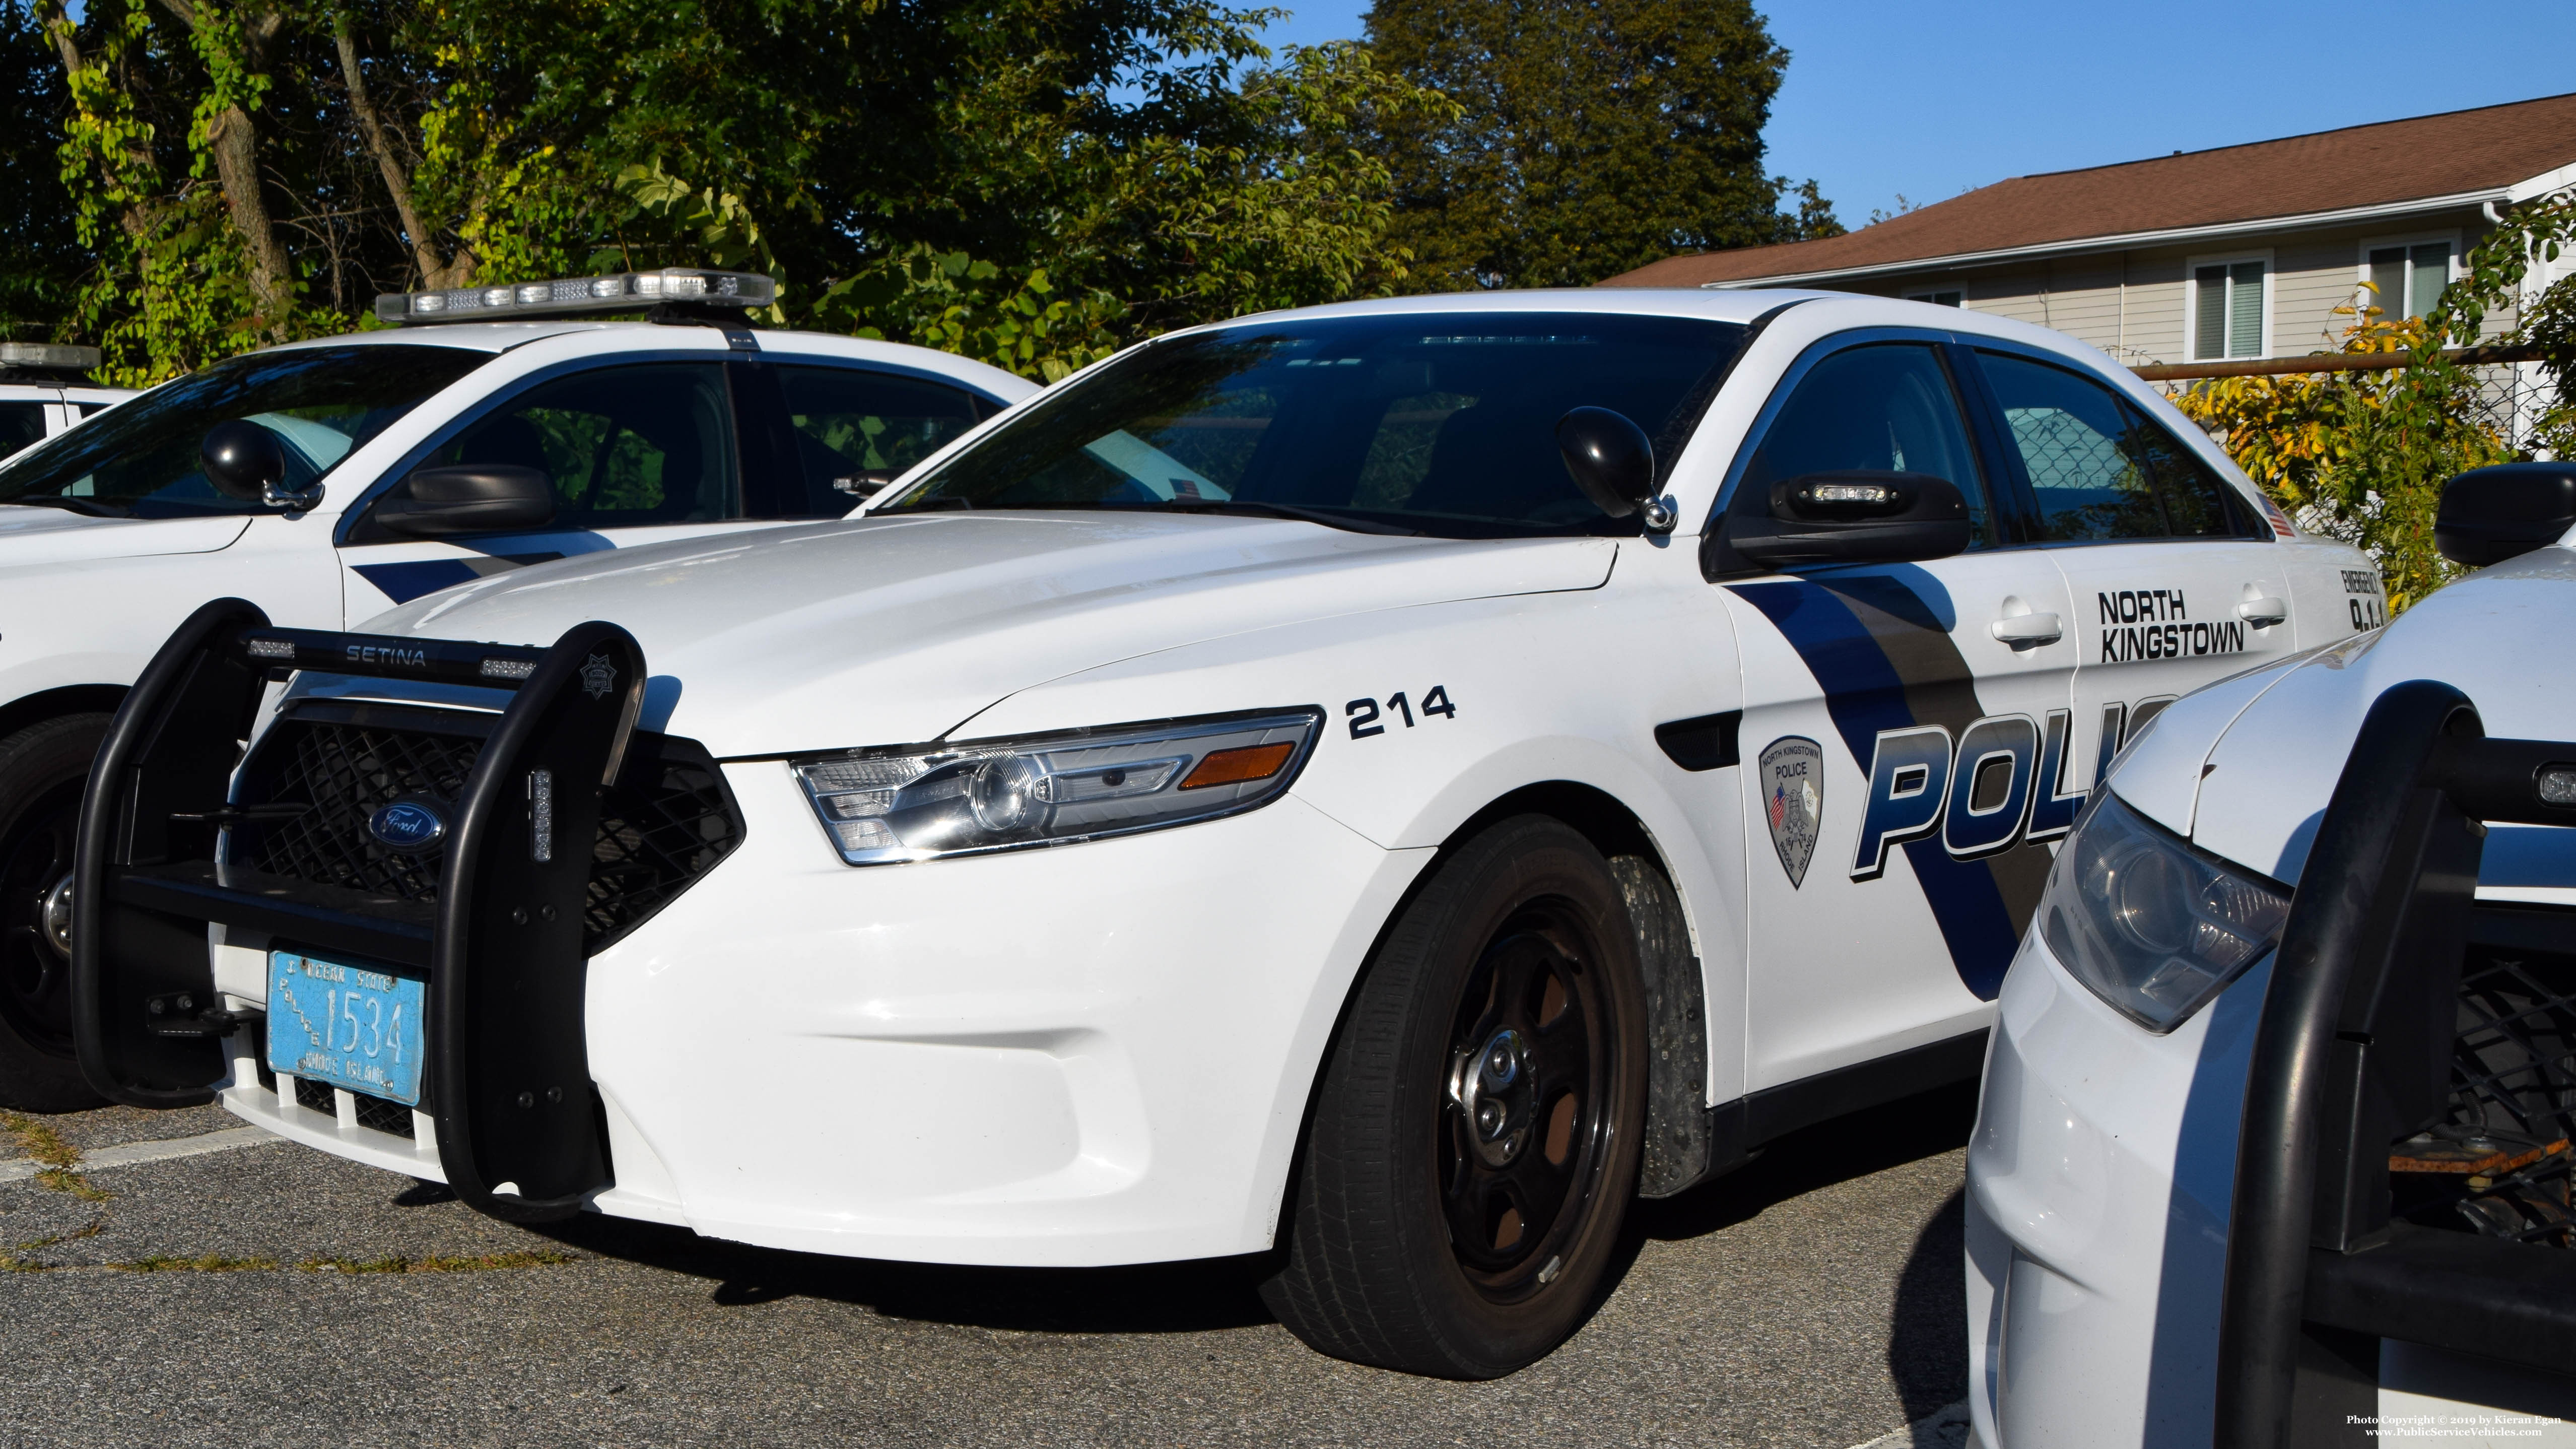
column 2099, row 469
column 855, row 430
column 21, row 424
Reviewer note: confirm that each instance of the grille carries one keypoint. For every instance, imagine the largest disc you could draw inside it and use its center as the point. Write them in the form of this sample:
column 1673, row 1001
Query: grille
column 2512, row 1106
column 377, row 1114
column 346, row 772
column 315, row 1096
column 665, row 822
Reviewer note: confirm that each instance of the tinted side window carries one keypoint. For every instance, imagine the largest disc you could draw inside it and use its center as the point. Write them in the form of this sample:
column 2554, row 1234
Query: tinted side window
column 854, row 430
column 2098, row 468
column 625, row 446
column 21, row 423
column 1887, row 406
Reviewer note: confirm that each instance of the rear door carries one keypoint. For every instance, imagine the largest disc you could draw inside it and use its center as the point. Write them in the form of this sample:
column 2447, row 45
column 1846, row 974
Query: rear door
column 1900, row 754
column 2176, row 580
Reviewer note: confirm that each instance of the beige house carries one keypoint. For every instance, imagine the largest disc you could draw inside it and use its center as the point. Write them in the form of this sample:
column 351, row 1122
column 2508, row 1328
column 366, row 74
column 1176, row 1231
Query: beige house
column 2239, row 252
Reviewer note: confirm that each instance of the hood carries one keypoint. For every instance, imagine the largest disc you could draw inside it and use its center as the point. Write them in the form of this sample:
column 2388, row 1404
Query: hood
column 2247, row 770
column 32, row 536
column 894, row 630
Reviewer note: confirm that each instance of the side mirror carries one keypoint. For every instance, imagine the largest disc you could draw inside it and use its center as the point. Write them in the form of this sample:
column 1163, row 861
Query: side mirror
column 470, row 498
column 1613, row 462
column 243, row 460
column 1859, row 516
column 2489, row 515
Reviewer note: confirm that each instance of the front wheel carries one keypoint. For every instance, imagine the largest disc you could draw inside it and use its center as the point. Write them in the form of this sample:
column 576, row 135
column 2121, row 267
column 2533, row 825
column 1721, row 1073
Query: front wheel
column 1475, row 1140
column 42, row 770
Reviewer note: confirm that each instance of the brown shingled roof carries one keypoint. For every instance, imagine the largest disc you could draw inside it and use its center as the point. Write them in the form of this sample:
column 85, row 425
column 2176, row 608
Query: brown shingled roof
column 2490, row 148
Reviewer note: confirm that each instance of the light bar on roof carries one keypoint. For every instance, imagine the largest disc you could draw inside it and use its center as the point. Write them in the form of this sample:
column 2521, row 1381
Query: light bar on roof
column 611, row 292
column 48, row 354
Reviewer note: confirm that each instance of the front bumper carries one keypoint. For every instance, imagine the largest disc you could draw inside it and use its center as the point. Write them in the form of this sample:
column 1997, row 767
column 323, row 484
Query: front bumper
column 2097, row 1201
column 1086, row 1055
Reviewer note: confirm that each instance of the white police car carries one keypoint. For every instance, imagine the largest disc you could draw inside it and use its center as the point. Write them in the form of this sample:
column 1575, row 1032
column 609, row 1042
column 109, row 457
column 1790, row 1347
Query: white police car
column 2274, row 1143
column 1387, row 781
column 371, row 469
column 44, row 389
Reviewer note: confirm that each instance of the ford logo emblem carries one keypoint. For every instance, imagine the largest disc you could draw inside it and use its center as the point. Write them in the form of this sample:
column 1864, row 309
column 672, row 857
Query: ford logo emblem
column 407, row 825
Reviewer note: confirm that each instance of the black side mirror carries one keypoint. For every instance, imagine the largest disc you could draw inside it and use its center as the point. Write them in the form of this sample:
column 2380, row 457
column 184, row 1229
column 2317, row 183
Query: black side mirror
column 1613, row 462
column 243, row 460
column 470, row 498
column 1858, row 516
column 2489, row 515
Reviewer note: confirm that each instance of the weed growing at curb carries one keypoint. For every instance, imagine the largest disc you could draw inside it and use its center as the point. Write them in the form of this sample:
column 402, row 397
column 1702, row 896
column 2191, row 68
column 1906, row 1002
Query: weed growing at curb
column 47, row 1146
column 397, row 1263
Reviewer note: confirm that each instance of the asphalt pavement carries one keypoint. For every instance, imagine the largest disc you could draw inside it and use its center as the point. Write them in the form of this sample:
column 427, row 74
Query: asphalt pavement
column 167, row 1286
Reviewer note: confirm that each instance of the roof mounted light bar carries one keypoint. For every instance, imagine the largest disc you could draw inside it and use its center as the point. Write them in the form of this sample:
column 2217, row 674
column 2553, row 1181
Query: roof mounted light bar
column 51, row 355
column 684, row 289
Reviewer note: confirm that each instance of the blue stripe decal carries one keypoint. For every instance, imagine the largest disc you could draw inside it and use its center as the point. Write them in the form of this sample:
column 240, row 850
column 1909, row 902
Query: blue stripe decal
column 1864, row 695
column 404, row 582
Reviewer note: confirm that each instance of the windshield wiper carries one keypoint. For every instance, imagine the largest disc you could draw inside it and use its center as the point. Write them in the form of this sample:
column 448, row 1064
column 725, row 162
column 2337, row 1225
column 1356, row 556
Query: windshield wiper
column 86, row 507
column 1329, row 517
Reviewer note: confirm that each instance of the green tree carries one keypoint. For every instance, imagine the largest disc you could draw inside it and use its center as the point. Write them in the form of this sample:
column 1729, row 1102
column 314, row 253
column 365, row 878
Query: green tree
column 1033, row 180
column 1589, row 137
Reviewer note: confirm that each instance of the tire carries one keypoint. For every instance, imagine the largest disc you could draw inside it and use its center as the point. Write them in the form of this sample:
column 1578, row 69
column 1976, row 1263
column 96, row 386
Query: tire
column 42, row 769
column 1417, row 1239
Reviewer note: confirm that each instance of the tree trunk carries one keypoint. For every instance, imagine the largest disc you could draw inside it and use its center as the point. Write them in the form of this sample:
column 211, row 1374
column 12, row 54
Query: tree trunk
column 235, row 144
column 234, row 141
column 435, row 271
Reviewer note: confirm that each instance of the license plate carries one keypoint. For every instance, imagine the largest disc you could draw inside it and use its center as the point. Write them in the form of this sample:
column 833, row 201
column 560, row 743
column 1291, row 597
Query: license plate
column 350, row 1026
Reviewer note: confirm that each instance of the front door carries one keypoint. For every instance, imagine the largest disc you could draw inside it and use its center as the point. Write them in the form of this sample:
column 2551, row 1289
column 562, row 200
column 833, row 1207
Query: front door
column 637, row 453
column 1904, row 740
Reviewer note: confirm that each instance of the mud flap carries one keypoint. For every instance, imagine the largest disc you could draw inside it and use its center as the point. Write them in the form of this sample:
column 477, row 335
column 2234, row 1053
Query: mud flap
column 520, row 1129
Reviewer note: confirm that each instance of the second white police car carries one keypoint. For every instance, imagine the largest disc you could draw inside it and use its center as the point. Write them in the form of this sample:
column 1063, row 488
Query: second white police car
column 1385, row 783
column 327, row 480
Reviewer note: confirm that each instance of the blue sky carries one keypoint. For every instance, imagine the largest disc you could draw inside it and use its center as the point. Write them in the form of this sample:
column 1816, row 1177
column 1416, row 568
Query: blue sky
column 1931, row 99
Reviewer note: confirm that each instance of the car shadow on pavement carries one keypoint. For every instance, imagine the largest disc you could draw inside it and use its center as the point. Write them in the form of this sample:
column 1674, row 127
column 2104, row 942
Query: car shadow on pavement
column 1154, row 1298
column 1195, row 1297
column 1927, row 1351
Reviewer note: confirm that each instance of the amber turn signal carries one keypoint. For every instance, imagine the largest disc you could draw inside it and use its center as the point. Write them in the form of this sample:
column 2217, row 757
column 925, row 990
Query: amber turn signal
column 1233, row 767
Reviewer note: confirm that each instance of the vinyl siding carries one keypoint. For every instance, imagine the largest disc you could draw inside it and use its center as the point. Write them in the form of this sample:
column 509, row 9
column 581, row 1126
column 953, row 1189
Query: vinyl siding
column 2131, row 304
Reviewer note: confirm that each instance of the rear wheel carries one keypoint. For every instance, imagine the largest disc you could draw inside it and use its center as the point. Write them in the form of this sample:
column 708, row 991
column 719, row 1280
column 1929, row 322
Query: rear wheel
column 1475, row 1139
column 42, row 770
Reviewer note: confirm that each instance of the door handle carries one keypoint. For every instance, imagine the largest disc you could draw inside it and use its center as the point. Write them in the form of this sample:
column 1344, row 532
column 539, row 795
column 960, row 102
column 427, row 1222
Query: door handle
column 2022, row 629
column 2264, row 613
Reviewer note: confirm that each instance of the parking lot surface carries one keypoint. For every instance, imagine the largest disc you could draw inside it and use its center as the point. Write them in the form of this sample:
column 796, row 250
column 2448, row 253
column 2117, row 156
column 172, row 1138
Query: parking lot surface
column 263, row 1294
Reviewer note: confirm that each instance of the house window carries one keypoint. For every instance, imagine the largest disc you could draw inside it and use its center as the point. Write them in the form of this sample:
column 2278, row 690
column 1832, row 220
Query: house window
column 1951, row 298
column 2227, row 309
column 2409, row 279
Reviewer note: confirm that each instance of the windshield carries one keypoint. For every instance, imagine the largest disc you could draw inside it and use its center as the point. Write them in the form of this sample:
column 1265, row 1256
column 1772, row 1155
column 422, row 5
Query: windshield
column 140, row 459
column 1442, row 423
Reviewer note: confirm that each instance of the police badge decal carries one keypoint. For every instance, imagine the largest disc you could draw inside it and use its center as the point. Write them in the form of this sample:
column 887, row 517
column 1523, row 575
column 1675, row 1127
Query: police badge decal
column 1793, row 800
column 598, row 676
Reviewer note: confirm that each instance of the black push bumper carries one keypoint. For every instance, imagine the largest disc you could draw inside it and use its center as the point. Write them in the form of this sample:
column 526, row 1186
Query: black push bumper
column 500, row 945
column 2387, row 1053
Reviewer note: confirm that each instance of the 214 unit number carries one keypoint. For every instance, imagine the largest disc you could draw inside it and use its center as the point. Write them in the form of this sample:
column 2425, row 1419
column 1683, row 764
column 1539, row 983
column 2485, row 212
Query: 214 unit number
column 1364, row 712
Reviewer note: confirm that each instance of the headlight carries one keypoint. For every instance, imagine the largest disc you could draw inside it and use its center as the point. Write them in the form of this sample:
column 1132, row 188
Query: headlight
column 886, row 805
column 2155, row 928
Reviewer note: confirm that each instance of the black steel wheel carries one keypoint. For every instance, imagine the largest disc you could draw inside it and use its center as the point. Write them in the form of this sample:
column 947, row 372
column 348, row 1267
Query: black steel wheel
column 1476, row 1134
column 42, row 770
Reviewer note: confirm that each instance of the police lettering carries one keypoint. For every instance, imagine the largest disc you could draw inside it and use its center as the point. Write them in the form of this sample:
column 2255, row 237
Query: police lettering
column 1919, row 786
column 2153, row 624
